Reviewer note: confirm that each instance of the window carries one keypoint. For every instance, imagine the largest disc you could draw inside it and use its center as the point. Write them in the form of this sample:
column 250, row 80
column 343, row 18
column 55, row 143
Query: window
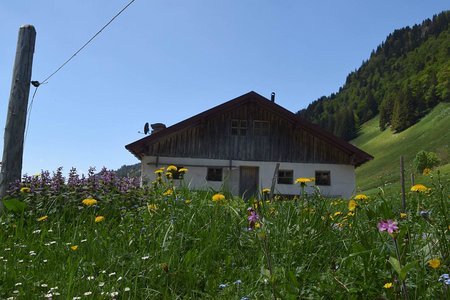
column 214, row 174
column 285, row 177
column 261, row 128
column 238, row 127
column 323, row 178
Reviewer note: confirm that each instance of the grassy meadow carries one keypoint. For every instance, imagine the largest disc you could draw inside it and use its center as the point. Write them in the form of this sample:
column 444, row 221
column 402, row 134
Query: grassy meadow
column 432, row 133
column 102, row 237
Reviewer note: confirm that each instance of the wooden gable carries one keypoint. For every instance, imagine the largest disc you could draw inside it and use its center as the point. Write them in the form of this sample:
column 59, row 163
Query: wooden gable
column 250, row 128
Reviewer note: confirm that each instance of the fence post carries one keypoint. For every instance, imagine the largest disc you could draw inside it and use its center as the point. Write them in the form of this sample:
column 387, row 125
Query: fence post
column 402, row 183
column 11, row 167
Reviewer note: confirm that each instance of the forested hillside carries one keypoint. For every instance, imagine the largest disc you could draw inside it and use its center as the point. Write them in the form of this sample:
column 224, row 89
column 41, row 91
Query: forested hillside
column 404, row 78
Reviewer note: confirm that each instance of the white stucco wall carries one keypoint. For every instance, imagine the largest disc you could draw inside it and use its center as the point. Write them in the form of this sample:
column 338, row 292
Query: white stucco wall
column 342, row 176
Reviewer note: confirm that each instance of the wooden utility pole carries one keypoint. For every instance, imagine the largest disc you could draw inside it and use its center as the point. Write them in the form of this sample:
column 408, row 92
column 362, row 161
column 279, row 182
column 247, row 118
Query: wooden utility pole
column 402, row 183
column 17, row 110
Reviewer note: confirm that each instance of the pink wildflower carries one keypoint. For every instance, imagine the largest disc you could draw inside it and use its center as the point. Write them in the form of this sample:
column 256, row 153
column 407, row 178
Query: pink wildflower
column 389, row 225
column 252, row 218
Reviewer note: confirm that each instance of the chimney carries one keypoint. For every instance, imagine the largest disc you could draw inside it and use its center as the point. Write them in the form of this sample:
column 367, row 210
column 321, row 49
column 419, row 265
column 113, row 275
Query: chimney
column 156, row 127
column 272, row 97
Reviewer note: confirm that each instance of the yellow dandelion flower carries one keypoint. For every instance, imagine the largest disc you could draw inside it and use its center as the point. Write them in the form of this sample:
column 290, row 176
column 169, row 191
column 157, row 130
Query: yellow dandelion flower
column 43, row 218
column 265, row 191
column 420, row 188
column 434, row 263
column 352, row 205
column 403, row 215
column 257, row 225
column 218, row 197
column 152, row 207
column 169, row 175
column 25, row 190
column 172, row 168
column 426, row 171
column 388, row 285
column 257, row 204
column 304, row 180
column 74, row 247
column 338, row 213
column 182, row 170
column 361, row 197
column 350, row 214
column 187, row 201
column 169, row 192
column 99, row 219
column 89, row 202
column 159, row 171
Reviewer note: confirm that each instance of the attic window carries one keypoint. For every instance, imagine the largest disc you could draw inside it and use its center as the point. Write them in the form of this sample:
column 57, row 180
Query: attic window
column 238, row 127
column 261, row 128
column 323, row 178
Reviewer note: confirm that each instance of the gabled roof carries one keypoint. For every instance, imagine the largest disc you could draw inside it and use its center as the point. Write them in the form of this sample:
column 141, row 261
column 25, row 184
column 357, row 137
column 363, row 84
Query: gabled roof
column 360, row 156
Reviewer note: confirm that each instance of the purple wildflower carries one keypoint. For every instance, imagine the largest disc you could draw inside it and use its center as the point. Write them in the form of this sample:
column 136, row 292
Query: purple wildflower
column 389, row 225
column 444, row 278
column 252, row 218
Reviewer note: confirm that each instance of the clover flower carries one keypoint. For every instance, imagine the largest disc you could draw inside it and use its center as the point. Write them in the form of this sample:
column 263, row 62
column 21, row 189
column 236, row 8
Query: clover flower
column 389, row 225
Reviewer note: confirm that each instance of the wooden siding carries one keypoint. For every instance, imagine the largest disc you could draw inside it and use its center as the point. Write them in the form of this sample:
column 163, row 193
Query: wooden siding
column 212, row 138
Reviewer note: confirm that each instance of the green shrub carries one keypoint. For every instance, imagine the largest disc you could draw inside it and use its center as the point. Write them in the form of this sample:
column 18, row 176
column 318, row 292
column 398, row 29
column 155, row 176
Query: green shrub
column 425, row 159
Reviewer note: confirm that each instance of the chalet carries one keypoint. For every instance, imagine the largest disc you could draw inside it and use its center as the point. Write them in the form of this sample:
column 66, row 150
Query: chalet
column 237, row 145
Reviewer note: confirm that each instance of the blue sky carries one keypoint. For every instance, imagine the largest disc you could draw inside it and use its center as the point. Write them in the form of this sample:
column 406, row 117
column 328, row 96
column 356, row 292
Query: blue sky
column 164, row 61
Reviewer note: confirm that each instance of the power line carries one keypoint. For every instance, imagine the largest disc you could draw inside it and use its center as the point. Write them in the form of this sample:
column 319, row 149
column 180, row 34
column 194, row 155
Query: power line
column 36, row 84
column 82, row 47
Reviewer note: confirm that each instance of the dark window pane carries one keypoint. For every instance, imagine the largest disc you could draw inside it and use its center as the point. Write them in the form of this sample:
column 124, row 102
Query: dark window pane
column 214, row 174
column 285, row 177
column 323, row 178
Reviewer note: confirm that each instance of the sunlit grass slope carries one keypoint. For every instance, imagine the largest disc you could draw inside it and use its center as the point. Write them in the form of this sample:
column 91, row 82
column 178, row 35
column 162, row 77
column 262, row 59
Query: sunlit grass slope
column 432, row 133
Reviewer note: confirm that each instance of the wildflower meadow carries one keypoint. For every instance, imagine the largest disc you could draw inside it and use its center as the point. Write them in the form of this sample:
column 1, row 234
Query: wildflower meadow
column 103, row 237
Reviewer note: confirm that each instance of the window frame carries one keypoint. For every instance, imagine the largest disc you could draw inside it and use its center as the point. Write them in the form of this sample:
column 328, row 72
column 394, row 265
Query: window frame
column 211, row 176
column 239, row 127
column 321, row 181
column 287, row 178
